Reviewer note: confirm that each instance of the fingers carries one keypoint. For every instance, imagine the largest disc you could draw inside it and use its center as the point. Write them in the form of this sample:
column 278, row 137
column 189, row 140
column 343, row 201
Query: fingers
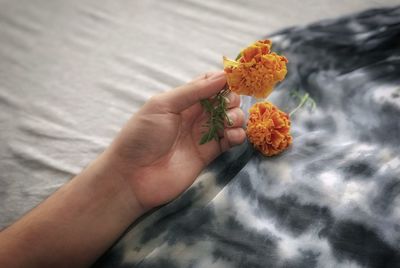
column 204, row 75
column 233, row 134
column 236, row 117
column 233, row 100
column 187, row 95
column 232, row 137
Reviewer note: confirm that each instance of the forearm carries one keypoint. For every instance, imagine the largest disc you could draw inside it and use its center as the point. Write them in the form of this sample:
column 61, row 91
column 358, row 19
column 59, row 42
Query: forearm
column 73, row 226
column 154, row 159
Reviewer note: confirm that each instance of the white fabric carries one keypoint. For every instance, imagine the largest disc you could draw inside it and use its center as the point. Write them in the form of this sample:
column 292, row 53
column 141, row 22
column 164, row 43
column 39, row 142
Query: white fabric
column 72, row 72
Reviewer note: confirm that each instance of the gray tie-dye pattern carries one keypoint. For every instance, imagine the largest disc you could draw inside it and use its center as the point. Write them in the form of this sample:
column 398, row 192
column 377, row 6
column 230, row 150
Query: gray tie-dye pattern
column 331, row 200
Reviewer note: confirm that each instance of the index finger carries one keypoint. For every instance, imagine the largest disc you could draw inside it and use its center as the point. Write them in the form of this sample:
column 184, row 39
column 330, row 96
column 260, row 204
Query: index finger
column 187, row 95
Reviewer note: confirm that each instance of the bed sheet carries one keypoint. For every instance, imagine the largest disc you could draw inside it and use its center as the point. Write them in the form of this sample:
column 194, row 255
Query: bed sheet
column 72, row 72
column 331, row 200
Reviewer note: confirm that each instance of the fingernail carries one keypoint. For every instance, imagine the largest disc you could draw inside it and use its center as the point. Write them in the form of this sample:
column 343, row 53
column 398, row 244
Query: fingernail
column 231, row 117
column 227, row 100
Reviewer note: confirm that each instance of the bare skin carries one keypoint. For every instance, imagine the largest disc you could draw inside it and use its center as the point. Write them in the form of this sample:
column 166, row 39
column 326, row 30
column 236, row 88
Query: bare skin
column 155, row 157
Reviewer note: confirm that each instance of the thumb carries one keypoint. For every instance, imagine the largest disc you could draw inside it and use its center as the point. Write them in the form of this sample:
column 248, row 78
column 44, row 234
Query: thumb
column 183, row 97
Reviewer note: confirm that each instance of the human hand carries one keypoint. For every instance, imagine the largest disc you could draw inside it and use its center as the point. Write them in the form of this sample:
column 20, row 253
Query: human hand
column 155, row 157
column 158, row 154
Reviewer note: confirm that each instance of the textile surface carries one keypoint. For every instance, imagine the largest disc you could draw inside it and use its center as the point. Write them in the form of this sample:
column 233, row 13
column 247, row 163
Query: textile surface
column 72, row 72
column 332, row 200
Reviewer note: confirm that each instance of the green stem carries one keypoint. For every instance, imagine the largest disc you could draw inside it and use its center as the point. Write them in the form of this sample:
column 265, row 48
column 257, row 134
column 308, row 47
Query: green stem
column 302, row 102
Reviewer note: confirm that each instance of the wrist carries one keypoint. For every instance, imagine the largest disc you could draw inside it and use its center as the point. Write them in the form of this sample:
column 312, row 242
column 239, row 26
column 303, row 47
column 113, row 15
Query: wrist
column 113, row 186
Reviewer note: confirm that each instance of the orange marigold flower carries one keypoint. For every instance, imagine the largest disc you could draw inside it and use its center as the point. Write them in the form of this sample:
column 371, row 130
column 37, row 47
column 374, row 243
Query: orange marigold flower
column 268, row 128
column 256, row 71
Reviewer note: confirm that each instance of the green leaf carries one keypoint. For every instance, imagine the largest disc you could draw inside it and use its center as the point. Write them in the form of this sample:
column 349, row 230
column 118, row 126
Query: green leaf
column 204, row 139
column 207, row 105
column 216, row 109
column 238, row 56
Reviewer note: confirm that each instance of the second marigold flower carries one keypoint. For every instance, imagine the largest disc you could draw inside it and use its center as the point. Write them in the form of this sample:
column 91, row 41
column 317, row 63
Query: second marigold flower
column 268, row 128
column 256, row 71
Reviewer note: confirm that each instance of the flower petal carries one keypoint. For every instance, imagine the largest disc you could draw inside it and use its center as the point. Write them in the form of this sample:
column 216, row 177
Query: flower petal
column 268, row 128
column 257, row 70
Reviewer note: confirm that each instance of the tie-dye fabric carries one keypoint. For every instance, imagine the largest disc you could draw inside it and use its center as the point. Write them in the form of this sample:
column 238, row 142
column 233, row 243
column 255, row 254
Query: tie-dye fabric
column 331, row 200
